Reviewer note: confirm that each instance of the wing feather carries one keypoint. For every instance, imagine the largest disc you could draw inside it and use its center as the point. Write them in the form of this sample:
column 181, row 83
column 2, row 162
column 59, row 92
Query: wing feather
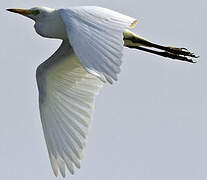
column 71, row 78
column 66, row 99
column 96, row 35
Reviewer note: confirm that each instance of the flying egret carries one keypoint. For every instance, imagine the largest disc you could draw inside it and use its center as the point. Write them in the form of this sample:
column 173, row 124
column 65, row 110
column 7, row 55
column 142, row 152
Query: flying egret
column 68, row 81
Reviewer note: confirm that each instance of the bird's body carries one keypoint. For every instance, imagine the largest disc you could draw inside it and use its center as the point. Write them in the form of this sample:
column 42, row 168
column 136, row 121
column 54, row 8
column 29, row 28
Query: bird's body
column 90, row 55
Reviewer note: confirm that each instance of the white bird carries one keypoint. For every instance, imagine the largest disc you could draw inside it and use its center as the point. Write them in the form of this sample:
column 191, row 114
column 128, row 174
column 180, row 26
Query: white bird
column 90, row 55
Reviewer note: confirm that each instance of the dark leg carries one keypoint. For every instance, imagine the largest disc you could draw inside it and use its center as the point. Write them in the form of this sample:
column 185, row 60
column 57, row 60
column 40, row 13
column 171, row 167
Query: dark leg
column 164, row 54
column 180, row 51
column 131, row 40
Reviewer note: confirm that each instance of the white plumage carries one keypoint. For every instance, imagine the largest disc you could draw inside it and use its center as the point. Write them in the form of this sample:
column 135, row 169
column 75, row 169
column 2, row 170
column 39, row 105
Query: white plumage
column 66, row 99
column 69, row 80
column 90, row 54
column 100, row 38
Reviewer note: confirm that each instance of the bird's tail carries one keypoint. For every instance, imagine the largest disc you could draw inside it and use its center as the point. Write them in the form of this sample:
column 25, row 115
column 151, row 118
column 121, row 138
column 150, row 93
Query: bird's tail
column 131, row 40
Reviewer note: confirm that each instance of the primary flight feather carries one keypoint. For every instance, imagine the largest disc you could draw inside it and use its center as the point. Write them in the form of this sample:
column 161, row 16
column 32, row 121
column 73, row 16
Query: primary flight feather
column 90, row 55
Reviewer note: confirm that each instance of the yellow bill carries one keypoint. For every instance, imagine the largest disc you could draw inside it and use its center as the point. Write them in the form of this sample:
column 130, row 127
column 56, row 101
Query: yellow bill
column 20, row 11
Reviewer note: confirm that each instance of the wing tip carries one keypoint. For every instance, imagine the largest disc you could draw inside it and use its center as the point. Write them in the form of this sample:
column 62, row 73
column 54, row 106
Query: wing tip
column 133, row 24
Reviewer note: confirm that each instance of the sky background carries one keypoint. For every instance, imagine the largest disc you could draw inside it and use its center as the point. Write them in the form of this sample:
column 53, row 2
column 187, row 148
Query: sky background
column 150, row 125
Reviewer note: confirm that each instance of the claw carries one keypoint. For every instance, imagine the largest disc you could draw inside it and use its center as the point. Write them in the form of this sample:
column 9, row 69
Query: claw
column 184, row 49
column 192, row 61
column 181, row 51
column 178, row 56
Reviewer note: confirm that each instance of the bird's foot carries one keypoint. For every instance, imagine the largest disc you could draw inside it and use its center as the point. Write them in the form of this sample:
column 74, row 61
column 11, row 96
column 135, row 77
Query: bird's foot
column 181, row 54
column 178, row 56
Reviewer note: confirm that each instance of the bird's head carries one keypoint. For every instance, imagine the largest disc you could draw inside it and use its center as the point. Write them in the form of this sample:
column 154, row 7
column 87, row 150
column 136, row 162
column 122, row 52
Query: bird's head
column 36, row 13
column 47, row 21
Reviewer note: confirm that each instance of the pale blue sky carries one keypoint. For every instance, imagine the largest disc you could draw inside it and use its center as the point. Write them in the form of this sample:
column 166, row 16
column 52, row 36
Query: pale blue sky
column 150, row 125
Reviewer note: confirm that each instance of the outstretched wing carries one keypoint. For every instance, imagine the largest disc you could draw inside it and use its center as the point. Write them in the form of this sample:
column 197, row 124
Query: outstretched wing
column 66, row 101
column 96, row 35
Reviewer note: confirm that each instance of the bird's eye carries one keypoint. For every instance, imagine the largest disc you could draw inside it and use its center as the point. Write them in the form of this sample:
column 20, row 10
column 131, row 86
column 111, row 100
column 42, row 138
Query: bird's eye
column 35, row 12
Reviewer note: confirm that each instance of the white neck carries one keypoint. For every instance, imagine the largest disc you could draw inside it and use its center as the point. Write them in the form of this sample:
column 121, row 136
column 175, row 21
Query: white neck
column 51, row 26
